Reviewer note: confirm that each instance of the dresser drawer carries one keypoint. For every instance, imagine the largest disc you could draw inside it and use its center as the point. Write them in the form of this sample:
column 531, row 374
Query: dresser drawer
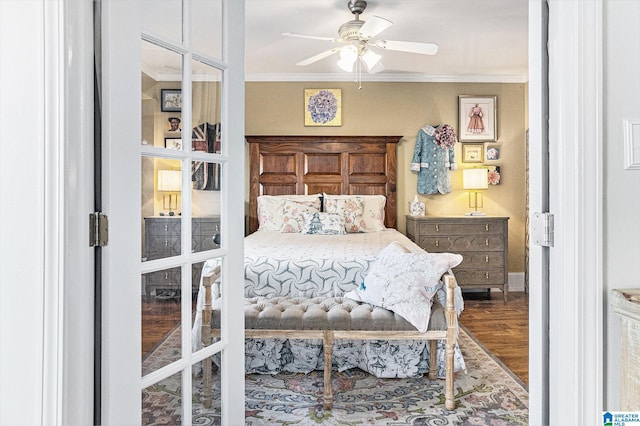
column 476, row 227
column 159, row 247
column 479, row 260
column 456, row 244
column 168, row 278
column 162, row 227
column 479, row 276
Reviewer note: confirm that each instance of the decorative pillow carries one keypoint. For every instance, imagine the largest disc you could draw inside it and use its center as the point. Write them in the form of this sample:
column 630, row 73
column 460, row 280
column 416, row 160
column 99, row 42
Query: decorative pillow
column 293, row 215
column 323, row 224
column 350, row 208
column 405, row 283
column 371, row 219
column 270, row 209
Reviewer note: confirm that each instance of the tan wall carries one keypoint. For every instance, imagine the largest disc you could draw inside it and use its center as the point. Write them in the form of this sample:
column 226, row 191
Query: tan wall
column 402, row 109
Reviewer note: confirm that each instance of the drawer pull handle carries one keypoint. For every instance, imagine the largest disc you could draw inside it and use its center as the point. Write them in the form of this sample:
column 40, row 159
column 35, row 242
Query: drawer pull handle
column 486, row 241
column 217, row 227
column 486, row 227
column 437, row 243
column 486, row 259
column 166, row 243
column 486, row 274
column 437, row 228
column 166, row 276
column 166, row 227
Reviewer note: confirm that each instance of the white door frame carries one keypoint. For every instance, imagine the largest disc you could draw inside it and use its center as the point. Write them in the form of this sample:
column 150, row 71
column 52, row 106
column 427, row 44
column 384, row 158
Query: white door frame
column 576, row 200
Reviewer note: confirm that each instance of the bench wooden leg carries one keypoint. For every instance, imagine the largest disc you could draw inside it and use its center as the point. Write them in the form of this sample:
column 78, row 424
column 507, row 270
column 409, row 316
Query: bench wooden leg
column 449, row 402
column 433, row 359
column 328, row 355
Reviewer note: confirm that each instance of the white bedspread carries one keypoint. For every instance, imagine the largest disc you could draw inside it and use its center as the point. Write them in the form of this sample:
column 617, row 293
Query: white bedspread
column 293, row 264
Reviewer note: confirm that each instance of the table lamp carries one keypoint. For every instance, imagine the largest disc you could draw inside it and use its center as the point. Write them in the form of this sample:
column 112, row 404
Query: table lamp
column 475, row 179
column 170, row 182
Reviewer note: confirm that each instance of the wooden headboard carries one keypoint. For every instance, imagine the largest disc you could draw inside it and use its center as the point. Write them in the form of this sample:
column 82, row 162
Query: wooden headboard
column 354, row 165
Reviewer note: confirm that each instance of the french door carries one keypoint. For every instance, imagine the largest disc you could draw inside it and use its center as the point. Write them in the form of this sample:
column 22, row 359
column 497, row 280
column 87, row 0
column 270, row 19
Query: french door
column 173, row 183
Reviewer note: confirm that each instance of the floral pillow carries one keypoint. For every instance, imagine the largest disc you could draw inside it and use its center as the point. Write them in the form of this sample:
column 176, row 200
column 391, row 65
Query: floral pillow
column 369, row 219
column 270, row 209
column 323, row 224
column 350, row 208
column 405, row 283
column 293, row 214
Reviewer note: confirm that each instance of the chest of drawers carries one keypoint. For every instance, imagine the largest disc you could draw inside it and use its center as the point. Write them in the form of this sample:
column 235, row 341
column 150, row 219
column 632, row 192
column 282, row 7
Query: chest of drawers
column 481, row 240
column 162, row 238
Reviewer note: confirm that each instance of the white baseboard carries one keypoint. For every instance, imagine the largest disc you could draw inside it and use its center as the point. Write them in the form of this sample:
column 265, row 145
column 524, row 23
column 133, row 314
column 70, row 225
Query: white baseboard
column 515, row 283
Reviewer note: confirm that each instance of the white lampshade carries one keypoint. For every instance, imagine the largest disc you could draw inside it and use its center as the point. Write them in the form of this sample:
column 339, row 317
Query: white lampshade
column 348, row 56
column 170, row 180
column 475, row 178
column 370, row 58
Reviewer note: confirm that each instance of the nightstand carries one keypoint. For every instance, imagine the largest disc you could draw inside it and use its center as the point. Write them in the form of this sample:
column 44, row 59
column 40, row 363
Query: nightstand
column 481, row 240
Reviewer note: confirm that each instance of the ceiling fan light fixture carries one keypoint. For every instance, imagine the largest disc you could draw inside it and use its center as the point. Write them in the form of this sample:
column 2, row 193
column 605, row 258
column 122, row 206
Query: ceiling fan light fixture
column 348, row 56
column 370, row 58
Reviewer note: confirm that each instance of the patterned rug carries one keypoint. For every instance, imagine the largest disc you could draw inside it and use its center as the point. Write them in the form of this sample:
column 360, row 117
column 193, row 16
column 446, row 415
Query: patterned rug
column 488, row 394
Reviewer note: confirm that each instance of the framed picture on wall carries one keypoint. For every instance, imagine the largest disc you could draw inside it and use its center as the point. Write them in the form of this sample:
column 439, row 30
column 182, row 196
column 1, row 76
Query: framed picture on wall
column 477, row 120
column 173, row 143
column 171, row 100
column 473, row 153
column 322, row 107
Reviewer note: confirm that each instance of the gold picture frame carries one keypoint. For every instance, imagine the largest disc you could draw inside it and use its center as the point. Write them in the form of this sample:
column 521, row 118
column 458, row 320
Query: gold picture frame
column 473, row 153
column 323, row 107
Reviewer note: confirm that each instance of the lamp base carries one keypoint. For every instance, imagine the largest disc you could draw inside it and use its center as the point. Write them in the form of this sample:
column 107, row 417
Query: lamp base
column 475, row 214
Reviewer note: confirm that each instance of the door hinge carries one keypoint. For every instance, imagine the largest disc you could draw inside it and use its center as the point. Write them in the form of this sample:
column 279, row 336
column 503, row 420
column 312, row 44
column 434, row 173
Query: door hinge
column 98, row 229
column 542, row 229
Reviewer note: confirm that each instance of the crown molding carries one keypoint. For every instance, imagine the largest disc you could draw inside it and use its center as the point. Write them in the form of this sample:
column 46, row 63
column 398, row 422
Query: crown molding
column 388, row 78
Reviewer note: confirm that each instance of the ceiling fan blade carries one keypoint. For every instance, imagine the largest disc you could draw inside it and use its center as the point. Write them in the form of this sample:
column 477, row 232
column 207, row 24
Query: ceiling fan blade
column 318, row 57
column 309, row 36
column 374, row 26
column 407, row 46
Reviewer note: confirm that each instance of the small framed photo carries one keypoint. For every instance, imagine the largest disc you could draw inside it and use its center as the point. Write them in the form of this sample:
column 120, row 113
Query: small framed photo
column 492, row 153
column 473, row 153
column 171, row 100
column 477, row 120
column 322, row 107
column 173, row 143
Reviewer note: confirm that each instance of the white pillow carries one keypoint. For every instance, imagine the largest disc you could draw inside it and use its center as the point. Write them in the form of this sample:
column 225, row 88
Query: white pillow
column 293, row 215
column 405, row 283
column 323, row 224
column 372, row 218
column 270, row 209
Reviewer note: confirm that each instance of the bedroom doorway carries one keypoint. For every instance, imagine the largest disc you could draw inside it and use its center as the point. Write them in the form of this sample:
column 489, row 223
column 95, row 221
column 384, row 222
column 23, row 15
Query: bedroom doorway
column 175, row 152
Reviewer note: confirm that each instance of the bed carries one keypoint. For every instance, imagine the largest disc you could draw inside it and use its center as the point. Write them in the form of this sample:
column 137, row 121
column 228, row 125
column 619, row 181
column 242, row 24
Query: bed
column 302, row 191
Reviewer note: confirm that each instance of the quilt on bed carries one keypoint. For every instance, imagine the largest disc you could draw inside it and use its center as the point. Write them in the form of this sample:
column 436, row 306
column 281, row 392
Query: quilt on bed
column 295, row 264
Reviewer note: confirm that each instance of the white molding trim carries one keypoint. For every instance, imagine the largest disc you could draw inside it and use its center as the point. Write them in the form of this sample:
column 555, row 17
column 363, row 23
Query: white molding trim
column 388, row 77
column 576, row 200
column 631, row 133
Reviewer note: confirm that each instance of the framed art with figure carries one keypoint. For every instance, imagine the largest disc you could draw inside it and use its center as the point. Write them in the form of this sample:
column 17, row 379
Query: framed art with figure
column 477, row 120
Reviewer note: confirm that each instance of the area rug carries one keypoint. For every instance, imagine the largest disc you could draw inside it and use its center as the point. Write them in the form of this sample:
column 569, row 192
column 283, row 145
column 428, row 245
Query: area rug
column 488, row 394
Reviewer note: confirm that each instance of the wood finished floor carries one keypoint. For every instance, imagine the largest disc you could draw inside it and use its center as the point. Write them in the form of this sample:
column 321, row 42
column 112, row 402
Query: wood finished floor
column 503, row 328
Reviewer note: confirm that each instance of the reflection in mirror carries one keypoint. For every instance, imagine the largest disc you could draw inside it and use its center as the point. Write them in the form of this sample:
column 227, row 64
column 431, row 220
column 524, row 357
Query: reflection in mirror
column 206, row 101
column 207, row 402
column 161, row 331
column 161, row 97
column 161, row 207
column 162, row 402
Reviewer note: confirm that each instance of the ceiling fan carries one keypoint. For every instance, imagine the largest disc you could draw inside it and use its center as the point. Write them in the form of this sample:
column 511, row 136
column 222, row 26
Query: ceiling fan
column 357, row 39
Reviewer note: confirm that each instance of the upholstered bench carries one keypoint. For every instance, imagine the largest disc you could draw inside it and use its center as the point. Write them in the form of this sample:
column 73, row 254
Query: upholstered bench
column 332, row 318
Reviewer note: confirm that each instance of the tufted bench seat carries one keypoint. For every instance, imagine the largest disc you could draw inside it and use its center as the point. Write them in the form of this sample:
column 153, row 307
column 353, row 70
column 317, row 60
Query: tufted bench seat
column 332, row 318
